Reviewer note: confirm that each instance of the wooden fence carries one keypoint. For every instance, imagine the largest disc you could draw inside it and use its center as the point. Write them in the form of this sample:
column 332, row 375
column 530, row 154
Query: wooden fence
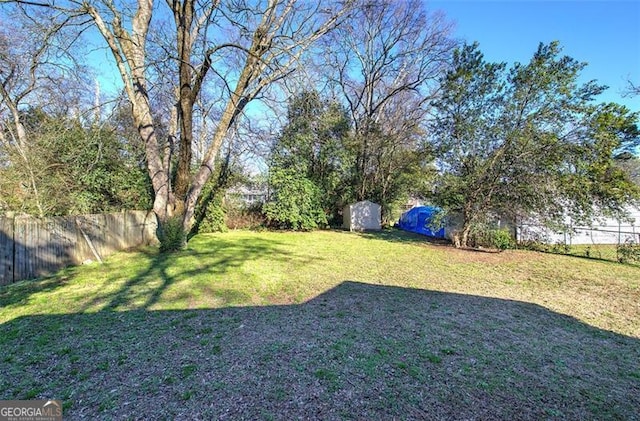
column 32, row 247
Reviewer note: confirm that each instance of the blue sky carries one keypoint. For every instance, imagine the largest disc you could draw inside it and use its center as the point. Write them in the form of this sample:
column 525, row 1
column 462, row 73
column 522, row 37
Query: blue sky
column 605, row 34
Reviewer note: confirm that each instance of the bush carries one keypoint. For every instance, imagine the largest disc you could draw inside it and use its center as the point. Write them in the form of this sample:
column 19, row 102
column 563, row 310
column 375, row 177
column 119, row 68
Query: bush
column 628, row 252
column 214, row 217
column 502, row 239
column 245, row 217
column 560, row 248
column 298, row 204
column 171, row 235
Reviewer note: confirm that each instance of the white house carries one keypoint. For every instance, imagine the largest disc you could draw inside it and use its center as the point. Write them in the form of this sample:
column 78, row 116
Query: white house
column 602, row 231
column 248, row 195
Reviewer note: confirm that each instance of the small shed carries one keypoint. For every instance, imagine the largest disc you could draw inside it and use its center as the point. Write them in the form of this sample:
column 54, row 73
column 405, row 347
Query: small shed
column 362, row 216
column 420, row 220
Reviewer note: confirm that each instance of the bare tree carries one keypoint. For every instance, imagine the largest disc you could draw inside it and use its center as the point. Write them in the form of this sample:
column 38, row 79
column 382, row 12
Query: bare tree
column 385, row 63
column 36, row 70
column 246, row 46
column 632, row 89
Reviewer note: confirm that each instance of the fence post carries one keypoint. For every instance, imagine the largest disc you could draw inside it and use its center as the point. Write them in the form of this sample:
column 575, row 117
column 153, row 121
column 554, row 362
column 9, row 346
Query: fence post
column 619, row 233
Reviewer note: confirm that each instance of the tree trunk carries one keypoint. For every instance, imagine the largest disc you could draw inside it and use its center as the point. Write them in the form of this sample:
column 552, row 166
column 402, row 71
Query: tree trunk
column 184, row 15
column 469, row 218
column 162, row 203
column 206, row 168
column 464, row 235
column 129, row 52
column 361, row 166
column 21, row 146
column 238, row 100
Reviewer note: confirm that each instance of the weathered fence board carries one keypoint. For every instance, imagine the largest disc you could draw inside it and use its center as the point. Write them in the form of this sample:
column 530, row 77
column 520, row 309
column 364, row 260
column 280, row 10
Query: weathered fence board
column 6, row 251
column 32, row 247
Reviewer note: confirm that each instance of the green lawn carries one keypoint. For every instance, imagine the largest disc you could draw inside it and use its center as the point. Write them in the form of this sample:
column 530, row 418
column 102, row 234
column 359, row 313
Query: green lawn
column 591, row 251
column 327, row 325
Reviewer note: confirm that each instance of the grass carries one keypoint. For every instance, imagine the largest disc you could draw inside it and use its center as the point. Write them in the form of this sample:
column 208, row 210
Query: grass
column 590, row 251
column 327, row 325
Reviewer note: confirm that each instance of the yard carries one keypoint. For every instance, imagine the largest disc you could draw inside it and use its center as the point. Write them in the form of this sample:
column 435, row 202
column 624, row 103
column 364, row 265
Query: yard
column 327, row 325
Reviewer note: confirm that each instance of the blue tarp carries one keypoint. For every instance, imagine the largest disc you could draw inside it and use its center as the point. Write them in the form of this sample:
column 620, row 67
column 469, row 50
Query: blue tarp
column 419, row 220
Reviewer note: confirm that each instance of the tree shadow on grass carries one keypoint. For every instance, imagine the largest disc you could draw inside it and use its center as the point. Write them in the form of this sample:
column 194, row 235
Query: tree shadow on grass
column 357, row 351
column 209, row 259
column 19, row 293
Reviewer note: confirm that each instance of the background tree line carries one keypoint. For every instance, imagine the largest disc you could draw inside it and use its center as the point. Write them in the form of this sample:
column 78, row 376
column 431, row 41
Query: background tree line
column 381, row 103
